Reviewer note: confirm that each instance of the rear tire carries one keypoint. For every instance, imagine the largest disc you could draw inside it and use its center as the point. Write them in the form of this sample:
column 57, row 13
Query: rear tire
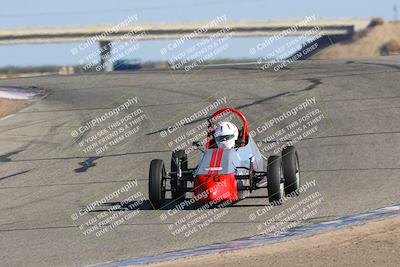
column 157, row 183
column 291, row 170
column 178, row 187
column 274, row 175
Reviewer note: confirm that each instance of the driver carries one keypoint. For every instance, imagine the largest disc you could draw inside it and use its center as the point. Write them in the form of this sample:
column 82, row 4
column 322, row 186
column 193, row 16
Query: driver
column 226, row 134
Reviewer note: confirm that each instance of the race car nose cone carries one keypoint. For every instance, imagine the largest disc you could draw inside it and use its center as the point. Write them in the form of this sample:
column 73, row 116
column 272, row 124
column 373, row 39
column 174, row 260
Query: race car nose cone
column 215, row 187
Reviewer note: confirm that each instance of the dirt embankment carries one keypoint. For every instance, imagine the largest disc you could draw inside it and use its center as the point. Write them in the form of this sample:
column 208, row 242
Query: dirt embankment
column 375, row 243
column 8, row 107
column 377, row 40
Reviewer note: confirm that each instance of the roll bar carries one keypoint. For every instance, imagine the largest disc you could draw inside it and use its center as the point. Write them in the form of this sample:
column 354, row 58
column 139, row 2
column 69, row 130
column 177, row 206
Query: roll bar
column 240, row 115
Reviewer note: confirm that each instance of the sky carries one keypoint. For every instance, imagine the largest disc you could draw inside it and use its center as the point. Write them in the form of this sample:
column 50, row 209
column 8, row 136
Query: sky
column 24, row 13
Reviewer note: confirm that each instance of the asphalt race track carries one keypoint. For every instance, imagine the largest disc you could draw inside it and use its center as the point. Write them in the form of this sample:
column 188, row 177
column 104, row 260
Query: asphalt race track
column 45, row 177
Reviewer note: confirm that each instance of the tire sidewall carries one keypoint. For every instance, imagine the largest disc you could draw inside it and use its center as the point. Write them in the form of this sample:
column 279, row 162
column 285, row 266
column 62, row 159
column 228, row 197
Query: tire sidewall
column 290, row 164
column 156, row 179
column 274, row 174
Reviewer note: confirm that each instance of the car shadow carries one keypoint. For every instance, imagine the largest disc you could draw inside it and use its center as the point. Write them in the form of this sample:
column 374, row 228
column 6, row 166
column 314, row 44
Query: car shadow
column 145, row 205
column 169, row 205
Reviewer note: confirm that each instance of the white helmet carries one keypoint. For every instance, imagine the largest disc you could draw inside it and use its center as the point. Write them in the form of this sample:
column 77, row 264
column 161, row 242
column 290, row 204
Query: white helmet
column 226, row 134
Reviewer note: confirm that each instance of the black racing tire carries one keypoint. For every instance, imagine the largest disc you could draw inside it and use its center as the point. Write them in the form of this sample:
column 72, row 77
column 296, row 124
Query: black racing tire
column 178, row 187
column 157, row 183
column 274, row 175
column 291, row 170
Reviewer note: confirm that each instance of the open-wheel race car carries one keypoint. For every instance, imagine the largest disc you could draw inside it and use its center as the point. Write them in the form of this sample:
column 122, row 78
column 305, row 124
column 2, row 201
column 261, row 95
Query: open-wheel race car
column 225, row 173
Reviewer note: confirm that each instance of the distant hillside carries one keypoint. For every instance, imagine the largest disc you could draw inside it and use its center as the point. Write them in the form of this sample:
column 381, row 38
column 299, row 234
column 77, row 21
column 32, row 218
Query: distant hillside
column 380, row 39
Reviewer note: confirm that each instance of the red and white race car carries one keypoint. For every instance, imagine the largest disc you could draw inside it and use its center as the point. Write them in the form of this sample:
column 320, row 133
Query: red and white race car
column 225, row 174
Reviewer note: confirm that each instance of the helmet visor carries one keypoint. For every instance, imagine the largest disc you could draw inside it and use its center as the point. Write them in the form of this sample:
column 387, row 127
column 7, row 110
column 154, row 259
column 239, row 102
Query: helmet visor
column 223, row 138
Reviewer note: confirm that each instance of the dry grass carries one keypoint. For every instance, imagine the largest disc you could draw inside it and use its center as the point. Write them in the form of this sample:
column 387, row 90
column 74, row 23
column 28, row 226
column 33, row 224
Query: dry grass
column 380, row 40
column 391, row 47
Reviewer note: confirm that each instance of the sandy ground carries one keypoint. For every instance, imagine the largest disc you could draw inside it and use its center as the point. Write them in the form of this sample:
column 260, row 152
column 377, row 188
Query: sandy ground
column 25, row 75
column 8, row 107
column 375, row 243
column 365, row 44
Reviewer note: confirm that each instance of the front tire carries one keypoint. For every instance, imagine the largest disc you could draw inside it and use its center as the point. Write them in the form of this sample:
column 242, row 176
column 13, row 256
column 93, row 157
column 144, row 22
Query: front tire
column 291, row 170
column 274, row 175
column 157, row 183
